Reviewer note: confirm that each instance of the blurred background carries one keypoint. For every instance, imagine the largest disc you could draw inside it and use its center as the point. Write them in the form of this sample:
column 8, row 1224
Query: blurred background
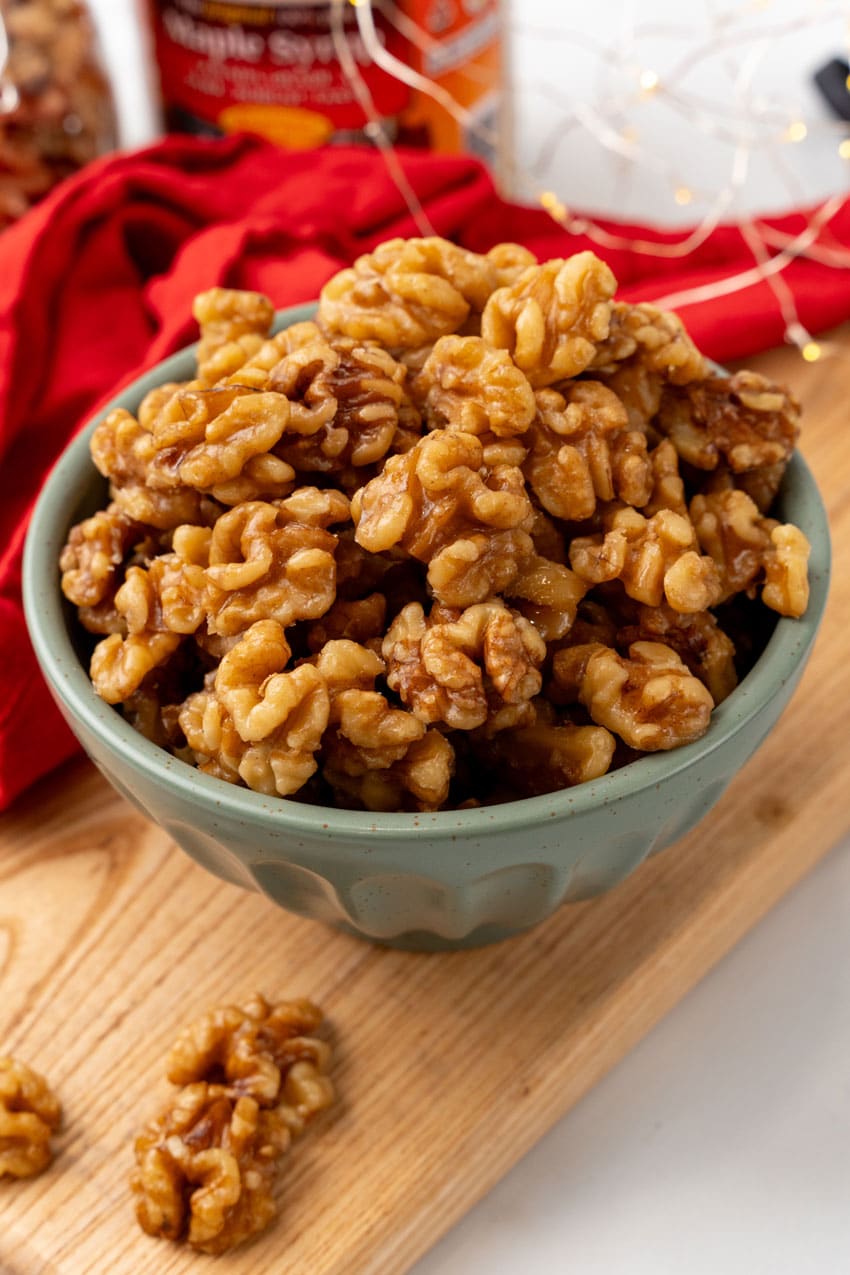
column 721, row 126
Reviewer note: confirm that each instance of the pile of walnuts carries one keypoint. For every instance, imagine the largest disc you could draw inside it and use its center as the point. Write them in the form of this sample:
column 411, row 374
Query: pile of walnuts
column 478, row 532
column 56, row 111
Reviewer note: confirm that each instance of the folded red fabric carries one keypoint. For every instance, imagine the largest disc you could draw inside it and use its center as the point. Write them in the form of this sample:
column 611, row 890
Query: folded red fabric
column 97, row 284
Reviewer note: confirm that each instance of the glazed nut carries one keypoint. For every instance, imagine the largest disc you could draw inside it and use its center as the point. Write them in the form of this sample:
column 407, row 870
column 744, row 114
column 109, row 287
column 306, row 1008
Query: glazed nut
column 260, row 569
column 572, row 462
column 743, row 421
column 226, row 316
column 786, row 588
column 696, row 638
column 750, row 549
column 119, row 665
column 650, row 699
column 259, row 723
column 548, row 756
column 437, row 493
column 509, row 261
column 419, row 780
column 346, row 409
column 407, row 293
column 95, row 549
column 205, row 1168
column 655, row 559
column 656, row 339
column 465, row 384
column 253, row 1048
column 552, row 317
column 369, row 733
column 462, row 670
column 122, row 449
column 263, row 701
column 29, row 1114
column 548, row 594
column 164, row 510
column 248, row 427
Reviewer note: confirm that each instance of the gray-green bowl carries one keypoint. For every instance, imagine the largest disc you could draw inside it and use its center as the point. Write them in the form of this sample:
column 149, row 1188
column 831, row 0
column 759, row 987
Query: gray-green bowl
column 428, row 881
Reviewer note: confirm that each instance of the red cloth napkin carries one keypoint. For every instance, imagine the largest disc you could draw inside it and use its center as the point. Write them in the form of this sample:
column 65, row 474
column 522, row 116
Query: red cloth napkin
column 96, row 284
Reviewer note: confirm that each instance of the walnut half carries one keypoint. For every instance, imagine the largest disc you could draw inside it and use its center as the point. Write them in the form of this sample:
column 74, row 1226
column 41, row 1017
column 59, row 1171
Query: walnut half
column 29, row 1114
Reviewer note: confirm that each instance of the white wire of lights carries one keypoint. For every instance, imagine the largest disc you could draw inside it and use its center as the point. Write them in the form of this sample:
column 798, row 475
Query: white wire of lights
column 744, row 122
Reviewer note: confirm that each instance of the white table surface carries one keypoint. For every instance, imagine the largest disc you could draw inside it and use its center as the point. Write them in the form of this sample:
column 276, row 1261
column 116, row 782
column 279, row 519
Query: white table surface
column 721, row 1145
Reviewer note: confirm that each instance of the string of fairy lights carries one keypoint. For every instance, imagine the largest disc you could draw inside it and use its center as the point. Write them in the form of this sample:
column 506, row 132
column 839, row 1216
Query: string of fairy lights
column 746, row 121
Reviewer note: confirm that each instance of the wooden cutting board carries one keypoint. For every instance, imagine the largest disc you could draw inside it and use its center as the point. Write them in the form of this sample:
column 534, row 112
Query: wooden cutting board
column 448, row 1067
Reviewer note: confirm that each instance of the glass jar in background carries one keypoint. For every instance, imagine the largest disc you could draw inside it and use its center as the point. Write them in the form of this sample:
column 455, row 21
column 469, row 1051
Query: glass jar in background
column 56, row 109
column 270, row 67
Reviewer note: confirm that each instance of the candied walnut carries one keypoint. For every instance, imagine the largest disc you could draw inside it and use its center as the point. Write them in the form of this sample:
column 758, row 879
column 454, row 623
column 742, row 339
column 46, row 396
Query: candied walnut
column 165, row 510
column 420, row 779
column 407, row 292
column 654, row 558
column 462, row 668
column 761, row 485
column 474, row 568
column 786, row 588
column 278, row 765
column 548, row 756
column 102, row 618
column 743, row 421
column 668, row 489
column 159, row 605
column 254, row 1049
column 547, row 593
column 358, row 399
column 465, row 384
column 378, row 733
column 260, row 569
column 314, row 507
column 120, row 664
column 552, row 317
column 510, row 261
column 650, row 699
column 263, row 477
column 29, row 1114
column 94, row 551
column 232, row 323
column 697, row 639
column 122, row 449
column 574, row 459
column 749, row 549
column 654, row 338
column 255, row 721
column 631, row 467
column 205, row 1168
column 264, row 701
column 206, row 438
column 359, row 620
column 151, row 716
column 639, row 390
column 255, row 372
column 303, row 376
column 155, row 400
column 371, row 749
column 438, row 499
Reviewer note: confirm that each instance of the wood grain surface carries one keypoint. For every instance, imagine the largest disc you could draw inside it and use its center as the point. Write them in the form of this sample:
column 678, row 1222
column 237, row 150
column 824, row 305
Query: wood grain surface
column 448, row 1067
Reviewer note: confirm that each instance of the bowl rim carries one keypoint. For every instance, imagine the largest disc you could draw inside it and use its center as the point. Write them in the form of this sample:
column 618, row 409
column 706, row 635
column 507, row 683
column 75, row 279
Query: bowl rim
column 47, row 612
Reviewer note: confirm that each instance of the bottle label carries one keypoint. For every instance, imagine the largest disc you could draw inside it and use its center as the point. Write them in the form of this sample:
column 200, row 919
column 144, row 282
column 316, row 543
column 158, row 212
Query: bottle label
column 268, row 69
column 271, row 67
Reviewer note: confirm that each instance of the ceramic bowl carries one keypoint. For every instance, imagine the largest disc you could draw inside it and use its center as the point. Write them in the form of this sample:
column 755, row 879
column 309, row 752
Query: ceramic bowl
column 451, row 879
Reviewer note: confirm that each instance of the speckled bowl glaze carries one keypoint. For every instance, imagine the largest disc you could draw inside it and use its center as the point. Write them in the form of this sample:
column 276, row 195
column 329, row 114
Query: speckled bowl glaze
column 452, row 879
